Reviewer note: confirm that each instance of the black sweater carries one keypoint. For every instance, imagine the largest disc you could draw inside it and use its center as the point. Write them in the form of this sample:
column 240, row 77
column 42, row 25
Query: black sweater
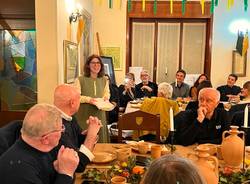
column 190, row 131
column 23, row 164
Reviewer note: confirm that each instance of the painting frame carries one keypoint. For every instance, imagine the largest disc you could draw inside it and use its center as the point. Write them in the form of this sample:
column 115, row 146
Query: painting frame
column 109, row 68
column 115, row 53
column 71, row 61
column 239, row 64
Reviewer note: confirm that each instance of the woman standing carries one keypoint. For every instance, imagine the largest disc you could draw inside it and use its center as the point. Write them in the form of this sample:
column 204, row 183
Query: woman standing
column 93, row 85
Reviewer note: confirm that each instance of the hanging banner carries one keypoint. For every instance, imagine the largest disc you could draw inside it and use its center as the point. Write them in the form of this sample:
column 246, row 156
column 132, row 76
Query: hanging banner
column 171, row 6
column 143, row 5
column 129, row 5
column 155, row 6
column 202, row 6
column 183, row 6
column 212, row 7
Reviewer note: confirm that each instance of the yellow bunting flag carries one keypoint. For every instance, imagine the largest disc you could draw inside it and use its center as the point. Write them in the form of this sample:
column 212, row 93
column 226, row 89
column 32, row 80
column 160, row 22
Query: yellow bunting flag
column 143, row 5
column 245, row 44
column 228, row 4
column 80, row 29
column 171, row 6
column 119, row 4
column 202, row 6
column 232, row 3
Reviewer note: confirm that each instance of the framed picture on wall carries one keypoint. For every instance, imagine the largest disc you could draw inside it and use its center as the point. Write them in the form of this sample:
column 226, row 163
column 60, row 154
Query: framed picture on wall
column 109, row 67
column 71, row 63
column 239, row 64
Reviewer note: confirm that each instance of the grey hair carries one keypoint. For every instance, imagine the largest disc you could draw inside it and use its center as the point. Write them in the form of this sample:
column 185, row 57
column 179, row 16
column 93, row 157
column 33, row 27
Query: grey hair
column 212, row 91
column 39, row 119
column 165, row 89
column 172, row 169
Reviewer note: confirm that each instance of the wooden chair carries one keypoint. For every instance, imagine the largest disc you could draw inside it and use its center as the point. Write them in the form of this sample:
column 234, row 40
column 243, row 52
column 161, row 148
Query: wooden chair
column 139, row 120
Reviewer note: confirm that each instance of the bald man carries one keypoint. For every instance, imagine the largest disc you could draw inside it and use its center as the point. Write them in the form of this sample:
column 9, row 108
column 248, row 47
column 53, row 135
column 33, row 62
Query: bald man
column 204, row 125
column 29, row 160
column 67, row 100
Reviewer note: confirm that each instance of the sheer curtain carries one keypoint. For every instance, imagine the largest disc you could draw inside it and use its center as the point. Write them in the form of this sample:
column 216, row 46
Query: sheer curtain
column 193, row 52
column 143, row 46
column 167, row 51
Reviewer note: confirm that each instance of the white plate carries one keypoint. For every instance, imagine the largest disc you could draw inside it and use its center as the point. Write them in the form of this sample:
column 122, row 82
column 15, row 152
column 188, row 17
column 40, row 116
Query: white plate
column 103, row 157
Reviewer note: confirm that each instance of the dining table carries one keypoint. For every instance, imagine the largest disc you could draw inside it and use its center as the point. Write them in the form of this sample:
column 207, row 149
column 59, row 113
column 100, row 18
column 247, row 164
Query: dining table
column 182, row 151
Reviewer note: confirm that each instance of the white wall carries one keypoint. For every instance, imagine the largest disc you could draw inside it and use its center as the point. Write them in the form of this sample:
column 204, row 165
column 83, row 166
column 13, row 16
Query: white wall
column 111, row 26
column 52, row 25
column 224, row 42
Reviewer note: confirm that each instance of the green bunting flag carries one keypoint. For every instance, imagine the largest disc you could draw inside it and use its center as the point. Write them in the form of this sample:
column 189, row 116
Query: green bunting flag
column 212, row 7
column 216, row 2
column 155, row 6
column 110, row 3
column 183, row 7
column 245, row 5
column 129, row 5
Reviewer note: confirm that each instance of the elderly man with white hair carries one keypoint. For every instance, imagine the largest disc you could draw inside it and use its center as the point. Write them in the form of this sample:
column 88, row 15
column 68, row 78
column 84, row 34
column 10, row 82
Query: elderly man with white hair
column 161, row 105
column 204, row 125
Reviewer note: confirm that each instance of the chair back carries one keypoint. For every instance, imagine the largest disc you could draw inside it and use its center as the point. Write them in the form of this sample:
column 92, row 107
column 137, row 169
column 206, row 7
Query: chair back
column 139, row 120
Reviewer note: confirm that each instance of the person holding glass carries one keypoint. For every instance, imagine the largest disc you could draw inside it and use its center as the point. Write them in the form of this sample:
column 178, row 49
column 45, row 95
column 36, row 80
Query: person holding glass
column 93, row 85
column 127, row 90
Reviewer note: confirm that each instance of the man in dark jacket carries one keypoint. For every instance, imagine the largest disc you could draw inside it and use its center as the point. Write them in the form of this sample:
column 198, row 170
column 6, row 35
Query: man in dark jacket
column 205, row 125
column 146, row 88
column 230, row 91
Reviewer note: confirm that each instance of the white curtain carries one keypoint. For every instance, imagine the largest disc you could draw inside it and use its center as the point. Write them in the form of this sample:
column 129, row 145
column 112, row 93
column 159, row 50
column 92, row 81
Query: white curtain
column 193, row 52
column 143, row 46
column 167, row 51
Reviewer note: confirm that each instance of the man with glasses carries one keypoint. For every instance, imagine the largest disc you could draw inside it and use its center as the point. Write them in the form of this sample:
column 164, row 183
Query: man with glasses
column 29, row 160
column 67, row 100
column 146, row 88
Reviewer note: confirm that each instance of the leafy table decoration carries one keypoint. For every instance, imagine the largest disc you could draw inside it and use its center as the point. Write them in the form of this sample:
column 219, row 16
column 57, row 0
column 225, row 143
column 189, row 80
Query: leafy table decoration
column 129, row 170
column 228, row 176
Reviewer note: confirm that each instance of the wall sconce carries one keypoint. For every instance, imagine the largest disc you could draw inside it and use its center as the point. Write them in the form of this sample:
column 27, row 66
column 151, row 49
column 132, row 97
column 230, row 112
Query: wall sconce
column 74, row 16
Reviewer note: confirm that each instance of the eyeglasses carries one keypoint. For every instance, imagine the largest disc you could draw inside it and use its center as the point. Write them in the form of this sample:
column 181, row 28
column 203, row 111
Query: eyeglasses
column 62, row 130
column 95, row 63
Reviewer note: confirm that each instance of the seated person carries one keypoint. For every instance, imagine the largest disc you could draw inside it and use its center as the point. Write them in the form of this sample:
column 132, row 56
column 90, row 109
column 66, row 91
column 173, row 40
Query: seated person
column 193, row 93
column 204, row 125
column 230, row 90
column 195, row 104
column 9, row 134
column 112, row 116
column 173, row 170
column 146, row 88
column 180, row 89
column 67, row 100
column 245, row 92
column 127, row 90
column 161, row 105
column 28, row 159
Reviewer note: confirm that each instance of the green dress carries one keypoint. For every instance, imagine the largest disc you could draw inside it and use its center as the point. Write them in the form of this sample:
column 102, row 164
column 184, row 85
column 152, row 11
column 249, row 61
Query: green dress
column 93, row 88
